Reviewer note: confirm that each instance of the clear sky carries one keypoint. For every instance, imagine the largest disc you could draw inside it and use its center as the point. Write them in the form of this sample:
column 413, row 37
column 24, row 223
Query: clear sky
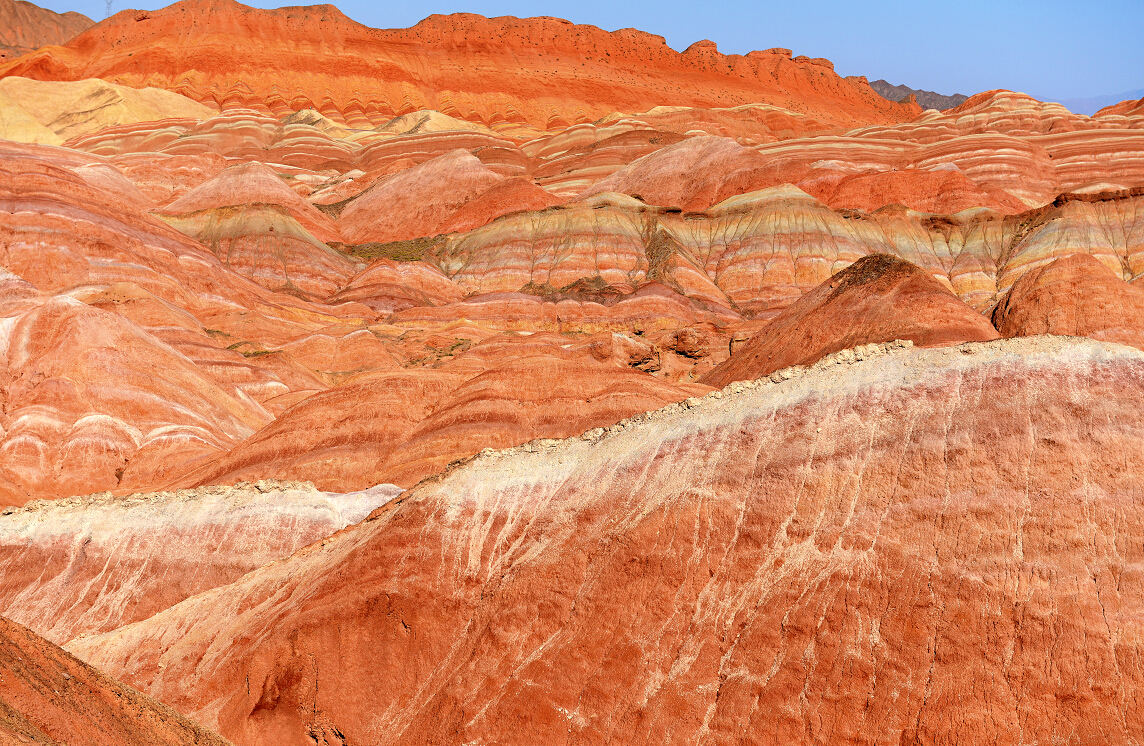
column 1050, row 48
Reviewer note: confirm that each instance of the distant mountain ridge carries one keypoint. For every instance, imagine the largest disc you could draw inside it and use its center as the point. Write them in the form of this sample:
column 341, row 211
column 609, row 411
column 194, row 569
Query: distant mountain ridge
column 1089, row 106
column 25, row 27
column 927, row 99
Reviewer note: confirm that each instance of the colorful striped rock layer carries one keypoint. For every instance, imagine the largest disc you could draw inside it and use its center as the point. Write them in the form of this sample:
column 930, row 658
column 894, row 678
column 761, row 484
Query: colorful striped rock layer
column 894, row 545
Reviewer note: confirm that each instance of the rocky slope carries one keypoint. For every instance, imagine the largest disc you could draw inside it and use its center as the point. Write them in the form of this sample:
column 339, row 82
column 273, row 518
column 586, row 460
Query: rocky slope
column 741, row 565
column 86, row 565
column 925, row 99
column 538, row 72
column 50, row 698
column 69, row 110
column 1075, row 295
column 252, row 314
column 876, row 299
column 25, row 27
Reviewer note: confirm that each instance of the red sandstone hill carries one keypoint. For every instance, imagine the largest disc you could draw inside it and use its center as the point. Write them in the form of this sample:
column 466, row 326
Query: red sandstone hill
column 24, row 27
column 541, row 71
column 876, row 299
column 924, row 546
column 49, row 697
column 1075, row 295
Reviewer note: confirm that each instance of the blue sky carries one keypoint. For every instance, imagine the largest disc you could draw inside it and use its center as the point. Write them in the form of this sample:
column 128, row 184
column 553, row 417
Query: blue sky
column 1051, row 48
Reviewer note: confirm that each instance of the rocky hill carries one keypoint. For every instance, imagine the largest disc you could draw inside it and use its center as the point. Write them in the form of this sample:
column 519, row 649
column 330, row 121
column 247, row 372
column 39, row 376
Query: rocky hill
column 25, row 27
column 851, row 551
column 506, row 380
column 544, row 73
column 925, row 99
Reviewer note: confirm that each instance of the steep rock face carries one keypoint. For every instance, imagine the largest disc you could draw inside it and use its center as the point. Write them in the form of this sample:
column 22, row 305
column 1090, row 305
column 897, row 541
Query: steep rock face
column 745, row 568
column 49, row 697
column 1075, row 295
column 86, row 565
column 758, row 252
column 543, row 72
column 25, row 26
column 418, row 201
column 876, row 299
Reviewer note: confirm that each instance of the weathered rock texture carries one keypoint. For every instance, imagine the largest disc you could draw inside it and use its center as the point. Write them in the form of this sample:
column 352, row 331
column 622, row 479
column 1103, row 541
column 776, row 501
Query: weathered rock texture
column 403, row 426
column 25, row 27
column 86, row 565
column 1075, row 295
column 921, row 546
column 543, row 72
column 48, row 698
column 107, row 297
column 72, row 109
column 876, row 299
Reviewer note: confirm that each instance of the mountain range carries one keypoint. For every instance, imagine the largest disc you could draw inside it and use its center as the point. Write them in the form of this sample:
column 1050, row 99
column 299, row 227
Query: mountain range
column 505, row 380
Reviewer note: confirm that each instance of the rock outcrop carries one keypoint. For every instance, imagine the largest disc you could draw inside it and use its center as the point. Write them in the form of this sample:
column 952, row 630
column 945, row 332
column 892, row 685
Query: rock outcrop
column 51, row 698
column 92, row 564
column 73, row 109
column 924, row 545
column 876, row 299
column 403, row 426
column 545, row 73
column 1075, row 295
column 925, row 99
column 25, row 27
column 416, row 202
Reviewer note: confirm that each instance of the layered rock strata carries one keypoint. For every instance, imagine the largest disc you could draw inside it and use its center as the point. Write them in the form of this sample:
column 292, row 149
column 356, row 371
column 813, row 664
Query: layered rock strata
column 541, row 72
column 735, row 566
column 876, row 299
column 92, row 564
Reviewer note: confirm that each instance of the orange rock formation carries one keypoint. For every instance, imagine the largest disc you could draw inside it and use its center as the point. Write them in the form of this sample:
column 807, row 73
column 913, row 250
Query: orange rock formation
column 1075, row 295
column 25, row 27
column 241, row 244
column 876, row 299
column 543, row 72
column 87, row 565
column 866, row 550
column 49, row 697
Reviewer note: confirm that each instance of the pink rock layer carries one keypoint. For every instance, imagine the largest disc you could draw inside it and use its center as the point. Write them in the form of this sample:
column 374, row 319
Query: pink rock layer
column 740, row 568
column 81, row 566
